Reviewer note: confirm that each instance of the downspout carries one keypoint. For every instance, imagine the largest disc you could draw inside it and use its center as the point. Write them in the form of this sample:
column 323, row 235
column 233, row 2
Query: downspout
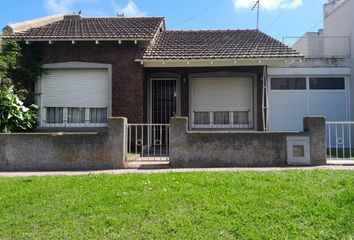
column 265, row 99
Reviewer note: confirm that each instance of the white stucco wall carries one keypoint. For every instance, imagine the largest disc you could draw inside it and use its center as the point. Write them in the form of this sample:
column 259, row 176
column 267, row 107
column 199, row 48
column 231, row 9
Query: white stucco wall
column 339, row 22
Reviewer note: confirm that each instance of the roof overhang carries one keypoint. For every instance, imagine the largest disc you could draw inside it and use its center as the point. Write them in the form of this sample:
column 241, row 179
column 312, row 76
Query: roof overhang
column 149, row 63
column 73, row 40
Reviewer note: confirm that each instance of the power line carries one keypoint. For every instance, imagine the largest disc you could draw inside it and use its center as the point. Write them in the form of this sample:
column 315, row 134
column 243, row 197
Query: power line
column 315, row 25
column 198, row 14
column 279, row 16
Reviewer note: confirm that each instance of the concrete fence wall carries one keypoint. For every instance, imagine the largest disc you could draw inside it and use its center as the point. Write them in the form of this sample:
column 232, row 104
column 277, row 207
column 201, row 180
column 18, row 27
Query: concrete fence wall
column 106, row 149
column 240, row 149
column 64, row 151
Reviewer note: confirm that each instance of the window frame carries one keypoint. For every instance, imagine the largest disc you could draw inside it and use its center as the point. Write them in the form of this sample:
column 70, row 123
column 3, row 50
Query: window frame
column 251, row 126
column 66, row 123
column 269, row 89
column 71, row 65
column 326, row 89
column 288, row 89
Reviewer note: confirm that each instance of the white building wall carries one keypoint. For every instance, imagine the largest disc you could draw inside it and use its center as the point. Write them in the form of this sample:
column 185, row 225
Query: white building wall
column 338, row 21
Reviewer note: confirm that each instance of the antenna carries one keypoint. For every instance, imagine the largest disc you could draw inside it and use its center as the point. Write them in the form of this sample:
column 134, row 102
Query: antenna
column 257, row 4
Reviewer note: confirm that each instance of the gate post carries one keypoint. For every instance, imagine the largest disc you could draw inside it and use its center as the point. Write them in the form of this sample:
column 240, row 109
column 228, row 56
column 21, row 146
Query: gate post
column 116, row 140
column 316, row 127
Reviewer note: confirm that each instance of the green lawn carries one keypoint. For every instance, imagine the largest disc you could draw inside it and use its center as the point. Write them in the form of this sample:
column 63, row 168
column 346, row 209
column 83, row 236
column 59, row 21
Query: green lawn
column 249, row 205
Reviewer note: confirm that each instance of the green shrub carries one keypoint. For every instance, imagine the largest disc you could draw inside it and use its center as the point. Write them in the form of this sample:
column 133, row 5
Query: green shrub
column 20, row 66
column 14, row 116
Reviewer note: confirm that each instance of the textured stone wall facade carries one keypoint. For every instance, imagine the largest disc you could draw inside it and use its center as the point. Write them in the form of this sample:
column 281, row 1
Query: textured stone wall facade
column 240, row 149
column 65, row 151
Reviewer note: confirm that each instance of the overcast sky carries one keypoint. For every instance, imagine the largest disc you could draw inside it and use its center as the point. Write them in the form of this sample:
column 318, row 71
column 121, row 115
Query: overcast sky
column 278, row 18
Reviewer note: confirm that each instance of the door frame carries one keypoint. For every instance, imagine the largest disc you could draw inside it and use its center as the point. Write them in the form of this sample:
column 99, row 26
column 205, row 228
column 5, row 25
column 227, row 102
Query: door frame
column 178, row 97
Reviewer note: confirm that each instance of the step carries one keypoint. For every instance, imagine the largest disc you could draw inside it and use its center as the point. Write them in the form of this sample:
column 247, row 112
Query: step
column 340, row 162
column 147, row 165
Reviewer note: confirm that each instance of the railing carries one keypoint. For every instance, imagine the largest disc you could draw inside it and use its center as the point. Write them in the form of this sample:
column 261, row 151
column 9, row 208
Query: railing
column 339, row 138
column 148, row 142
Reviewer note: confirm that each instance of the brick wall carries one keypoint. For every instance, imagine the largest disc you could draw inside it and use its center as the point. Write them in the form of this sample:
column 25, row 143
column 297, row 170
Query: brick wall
column 127, row 75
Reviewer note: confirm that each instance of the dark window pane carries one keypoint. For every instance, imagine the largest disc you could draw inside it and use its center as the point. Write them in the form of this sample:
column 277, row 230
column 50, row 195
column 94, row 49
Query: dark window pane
column 98, row 115
column 241, row 117
column 327, row 83
column 54, row 115
column 221, row 118
column 201, row 118
column 288, row 83
column 76, row 115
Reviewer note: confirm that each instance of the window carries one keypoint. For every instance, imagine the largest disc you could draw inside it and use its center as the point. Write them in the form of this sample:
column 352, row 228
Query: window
column 241, row 117
column 324, row 83
column 201, row 118
column 222, row 102
column 76, row 115
column 288, row 83
column 221, row 118
column 98, row 115
column 54, row 115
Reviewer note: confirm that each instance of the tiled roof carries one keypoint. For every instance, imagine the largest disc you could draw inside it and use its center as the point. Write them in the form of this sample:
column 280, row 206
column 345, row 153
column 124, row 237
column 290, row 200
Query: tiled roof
column 91, row 28
column 218, row 44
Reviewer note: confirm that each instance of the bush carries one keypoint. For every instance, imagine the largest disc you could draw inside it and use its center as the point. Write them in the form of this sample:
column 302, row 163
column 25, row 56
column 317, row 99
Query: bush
column 19, row 68
column 14, row 116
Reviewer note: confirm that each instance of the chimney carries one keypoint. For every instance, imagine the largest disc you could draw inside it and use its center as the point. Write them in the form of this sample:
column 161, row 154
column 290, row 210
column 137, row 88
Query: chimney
column 72, row 16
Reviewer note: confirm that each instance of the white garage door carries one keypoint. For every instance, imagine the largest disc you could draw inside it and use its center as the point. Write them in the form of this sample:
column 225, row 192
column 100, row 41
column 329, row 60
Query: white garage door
column 74, row 97
column 224, row 102
column 291, row 99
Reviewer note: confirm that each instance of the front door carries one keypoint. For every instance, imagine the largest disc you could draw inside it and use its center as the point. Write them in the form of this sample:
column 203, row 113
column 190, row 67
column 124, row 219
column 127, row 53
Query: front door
column 163, row 96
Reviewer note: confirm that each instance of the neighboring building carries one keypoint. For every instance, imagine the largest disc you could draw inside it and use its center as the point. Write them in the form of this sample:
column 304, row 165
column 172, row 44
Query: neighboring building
column 328, row 53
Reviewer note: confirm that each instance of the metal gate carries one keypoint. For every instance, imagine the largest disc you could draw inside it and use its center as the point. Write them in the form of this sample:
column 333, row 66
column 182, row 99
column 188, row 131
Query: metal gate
column 339, row 138
column 148, row 142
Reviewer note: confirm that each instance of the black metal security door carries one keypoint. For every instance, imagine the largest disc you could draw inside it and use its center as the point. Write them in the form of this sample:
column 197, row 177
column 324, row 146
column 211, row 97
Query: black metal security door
column 163, row 100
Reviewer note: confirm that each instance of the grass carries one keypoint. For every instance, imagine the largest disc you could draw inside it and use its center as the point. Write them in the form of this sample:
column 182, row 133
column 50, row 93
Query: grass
column 249, row 205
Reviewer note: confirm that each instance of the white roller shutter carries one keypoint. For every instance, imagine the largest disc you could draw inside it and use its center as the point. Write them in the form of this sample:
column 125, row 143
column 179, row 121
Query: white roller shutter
column 222, row 94
column 75, row 88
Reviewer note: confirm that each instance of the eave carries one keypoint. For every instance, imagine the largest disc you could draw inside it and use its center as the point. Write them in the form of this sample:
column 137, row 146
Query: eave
column 160, row 63
column 75, row 39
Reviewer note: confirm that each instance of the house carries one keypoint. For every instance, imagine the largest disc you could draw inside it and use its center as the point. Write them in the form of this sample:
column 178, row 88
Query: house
column 236, row 84
column 136, row 68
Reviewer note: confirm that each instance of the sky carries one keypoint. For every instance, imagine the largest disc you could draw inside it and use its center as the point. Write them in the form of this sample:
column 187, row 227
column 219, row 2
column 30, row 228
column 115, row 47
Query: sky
column 278, row 18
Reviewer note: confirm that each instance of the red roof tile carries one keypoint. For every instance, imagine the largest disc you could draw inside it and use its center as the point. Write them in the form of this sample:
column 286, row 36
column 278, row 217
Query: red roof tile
column 217, row 44
column 88, row 28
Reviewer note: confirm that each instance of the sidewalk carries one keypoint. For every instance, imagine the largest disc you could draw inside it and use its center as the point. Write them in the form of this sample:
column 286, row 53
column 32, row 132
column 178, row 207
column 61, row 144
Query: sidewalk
column 137, row 171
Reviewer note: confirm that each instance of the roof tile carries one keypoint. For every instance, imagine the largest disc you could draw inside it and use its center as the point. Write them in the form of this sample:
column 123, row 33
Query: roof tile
column 135, row 27
column 216, row 44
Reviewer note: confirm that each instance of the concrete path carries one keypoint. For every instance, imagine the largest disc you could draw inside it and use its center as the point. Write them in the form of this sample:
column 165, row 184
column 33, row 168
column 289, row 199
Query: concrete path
column 341, row 162
column 137, row 171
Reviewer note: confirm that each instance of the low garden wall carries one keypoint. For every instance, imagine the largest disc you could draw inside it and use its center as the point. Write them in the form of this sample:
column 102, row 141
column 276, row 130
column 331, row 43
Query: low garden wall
column 240, row 149
column 107, row 149
column 64, row 151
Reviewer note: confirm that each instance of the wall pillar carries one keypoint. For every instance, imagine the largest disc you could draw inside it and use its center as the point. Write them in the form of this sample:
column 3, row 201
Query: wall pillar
column 316, row 127
column 116, row 140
